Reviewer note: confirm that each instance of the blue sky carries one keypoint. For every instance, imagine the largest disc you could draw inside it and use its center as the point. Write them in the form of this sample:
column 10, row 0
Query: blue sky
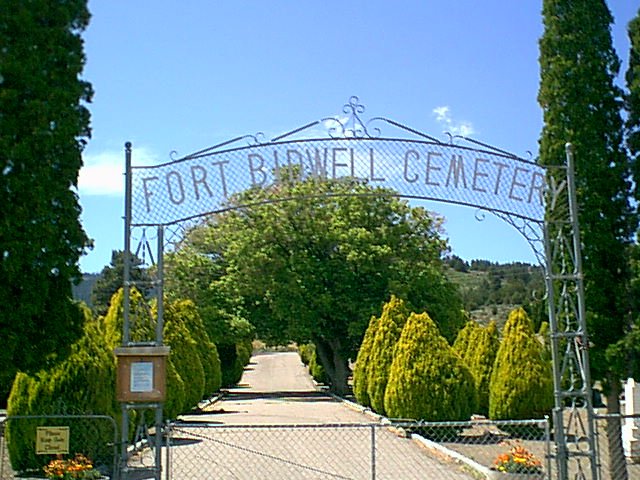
column 186, row 75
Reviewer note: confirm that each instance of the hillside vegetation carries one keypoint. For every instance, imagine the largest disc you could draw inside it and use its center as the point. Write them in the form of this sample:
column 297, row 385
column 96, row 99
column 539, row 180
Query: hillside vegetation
column 490, row 290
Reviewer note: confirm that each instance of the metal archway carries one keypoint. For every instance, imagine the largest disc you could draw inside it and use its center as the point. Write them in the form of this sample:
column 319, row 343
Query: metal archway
column 539, row 202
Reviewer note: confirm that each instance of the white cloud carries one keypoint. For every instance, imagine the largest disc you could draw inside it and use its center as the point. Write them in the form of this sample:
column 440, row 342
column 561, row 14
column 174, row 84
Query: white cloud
column 103, row 173
column 454, row 127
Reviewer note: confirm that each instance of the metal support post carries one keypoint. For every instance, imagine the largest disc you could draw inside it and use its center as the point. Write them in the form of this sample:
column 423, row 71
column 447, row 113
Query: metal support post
column 124, row 437
column 581, row 339
column 126, row 338
column 569, row 341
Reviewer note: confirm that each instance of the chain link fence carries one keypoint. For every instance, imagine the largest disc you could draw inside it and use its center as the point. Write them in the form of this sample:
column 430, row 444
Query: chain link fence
column 24, row 441
column 618, row 444
column 407, row 450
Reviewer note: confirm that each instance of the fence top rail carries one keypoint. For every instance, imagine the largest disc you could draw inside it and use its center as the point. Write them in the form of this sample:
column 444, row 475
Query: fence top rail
column 389, row 423
column 72, row 417
column 609, row 416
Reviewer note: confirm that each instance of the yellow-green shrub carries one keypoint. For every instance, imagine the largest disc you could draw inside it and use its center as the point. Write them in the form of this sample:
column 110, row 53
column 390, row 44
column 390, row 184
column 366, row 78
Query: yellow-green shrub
column 393, row 318
column 207, row 350
column 184, row 355
column 521, row 383
column 361, row 367
column 427, row 380
column 82, row 384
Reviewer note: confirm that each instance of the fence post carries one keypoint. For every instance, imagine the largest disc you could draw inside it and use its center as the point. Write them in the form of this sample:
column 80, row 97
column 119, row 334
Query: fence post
column 547, row 444
column 2, row 446
column 373, row 452
column 167, row 466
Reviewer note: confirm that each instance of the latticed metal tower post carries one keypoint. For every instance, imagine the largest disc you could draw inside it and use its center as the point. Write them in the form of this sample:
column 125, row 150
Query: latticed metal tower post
column 573, row 410
column 141, row 361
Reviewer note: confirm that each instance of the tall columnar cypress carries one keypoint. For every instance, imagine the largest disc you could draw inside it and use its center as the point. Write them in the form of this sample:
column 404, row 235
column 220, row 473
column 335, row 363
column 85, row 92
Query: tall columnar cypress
column 521, row 382
column 427, row 379
column 631, row 351
column 582, row 105
column 360, row 369
column 394, row 315
column 43, row 129
column 632, row 97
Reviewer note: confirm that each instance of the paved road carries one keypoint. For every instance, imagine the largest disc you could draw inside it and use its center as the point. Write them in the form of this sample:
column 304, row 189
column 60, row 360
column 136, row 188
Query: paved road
column 276, row 389
column 275, row 424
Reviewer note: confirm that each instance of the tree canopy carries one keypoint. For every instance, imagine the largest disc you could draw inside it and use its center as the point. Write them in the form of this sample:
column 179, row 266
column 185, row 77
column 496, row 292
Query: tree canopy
column 582, row 105
column 317, row 268
column 44, row 126
column 112, row 277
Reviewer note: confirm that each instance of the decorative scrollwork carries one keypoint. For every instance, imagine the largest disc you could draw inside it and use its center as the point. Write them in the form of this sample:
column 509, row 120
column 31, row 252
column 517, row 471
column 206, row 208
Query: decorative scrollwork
column 354, row 107
column 253, row 140
column 480, row 215
column 335, row 131
column 354, row 127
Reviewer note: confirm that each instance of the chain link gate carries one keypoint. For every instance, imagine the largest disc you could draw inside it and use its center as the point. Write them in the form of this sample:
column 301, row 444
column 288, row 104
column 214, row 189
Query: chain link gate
column 377, row 451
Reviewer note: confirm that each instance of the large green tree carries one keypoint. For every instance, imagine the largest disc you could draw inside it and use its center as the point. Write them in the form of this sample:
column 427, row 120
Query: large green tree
column 582, row 105
column 317, row 268
column 44, row 126
column 112, row 277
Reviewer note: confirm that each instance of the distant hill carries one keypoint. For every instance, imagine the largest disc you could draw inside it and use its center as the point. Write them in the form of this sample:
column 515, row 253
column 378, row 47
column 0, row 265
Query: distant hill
column 82, row 291
column 491, row 290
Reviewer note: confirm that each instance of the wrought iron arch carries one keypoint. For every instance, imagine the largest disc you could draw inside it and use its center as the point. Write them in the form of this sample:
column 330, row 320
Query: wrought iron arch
column 538, row 202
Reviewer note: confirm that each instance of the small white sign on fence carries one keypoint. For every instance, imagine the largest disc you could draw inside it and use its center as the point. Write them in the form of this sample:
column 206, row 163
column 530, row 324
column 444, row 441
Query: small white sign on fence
column 52, row 440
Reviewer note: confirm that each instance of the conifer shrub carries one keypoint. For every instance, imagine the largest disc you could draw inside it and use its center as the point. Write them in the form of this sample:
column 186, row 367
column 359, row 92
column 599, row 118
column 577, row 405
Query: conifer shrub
column 184, row 355
column 233, row 339
column 427, row 380
column 176, row 400
column 21, row 434
column 231, row 373
column 480, row 360
column 142, row 329
column 545, row 338
column 464, row 344
column 360, row 369
column 207, row 350
column 244, row 350
column 82, row 384
column 310, row 359
column 521, row 383
column 305, row 351
column 393, row 318
column 316, row 369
